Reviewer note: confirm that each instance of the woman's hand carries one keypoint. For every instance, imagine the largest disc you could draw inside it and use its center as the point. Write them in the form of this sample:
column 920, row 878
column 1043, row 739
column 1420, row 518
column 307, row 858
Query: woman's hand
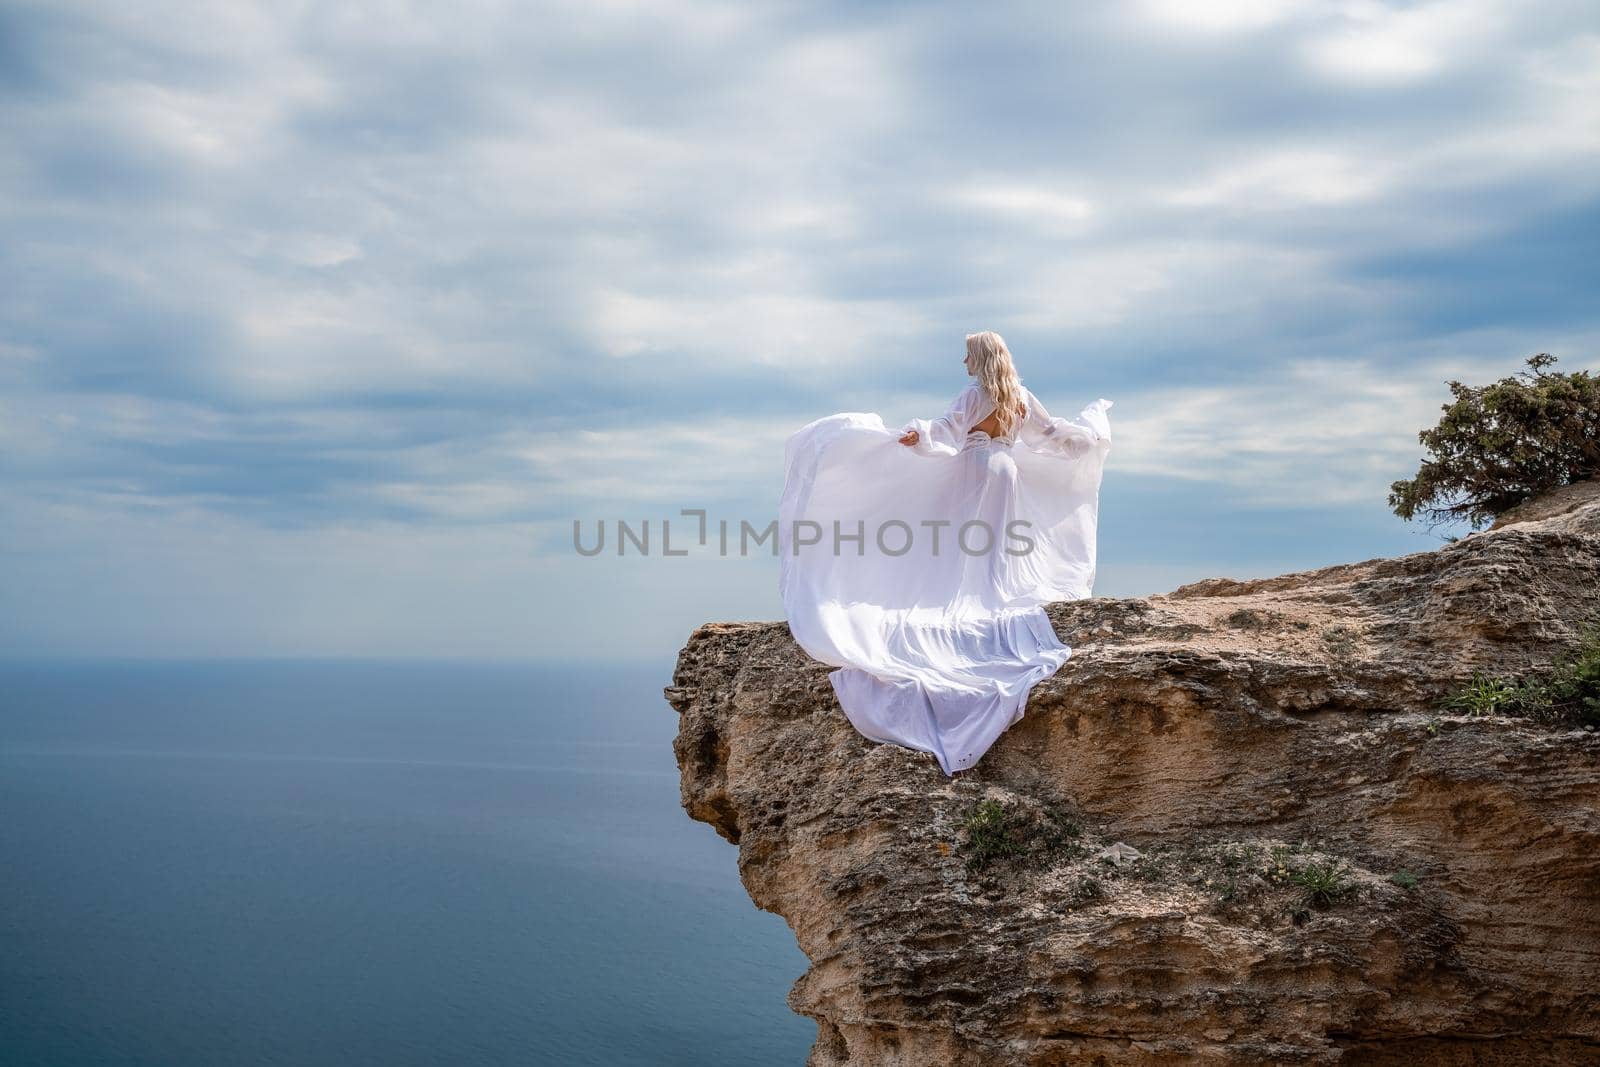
column 910, row 438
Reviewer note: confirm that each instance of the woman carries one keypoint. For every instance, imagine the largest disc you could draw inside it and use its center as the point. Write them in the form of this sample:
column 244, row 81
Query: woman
column 917, row 562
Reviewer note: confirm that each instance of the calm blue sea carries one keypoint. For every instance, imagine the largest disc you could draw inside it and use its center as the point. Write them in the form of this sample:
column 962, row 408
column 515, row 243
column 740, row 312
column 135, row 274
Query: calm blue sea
column 369, row 863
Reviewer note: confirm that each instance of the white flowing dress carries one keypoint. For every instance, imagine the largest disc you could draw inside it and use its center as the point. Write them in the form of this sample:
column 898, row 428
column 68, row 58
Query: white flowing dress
column 920, row 571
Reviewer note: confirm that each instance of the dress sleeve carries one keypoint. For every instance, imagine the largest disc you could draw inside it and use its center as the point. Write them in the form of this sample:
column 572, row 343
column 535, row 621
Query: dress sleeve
column 945, row 435
column 1066, row 437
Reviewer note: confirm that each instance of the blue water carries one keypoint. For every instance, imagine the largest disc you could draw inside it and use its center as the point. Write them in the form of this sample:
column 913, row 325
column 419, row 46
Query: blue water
column 359, row 863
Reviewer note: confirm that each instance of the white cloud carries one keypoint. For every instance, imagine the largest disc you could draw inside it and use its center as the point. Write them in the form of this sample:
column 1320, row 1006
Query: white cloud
column 1277, row 180
column 791, row 330
column 1216, row 16
column 1025, row 205
column 1375, row 43
column 1550, row 126
column 664, row 462
column 1212, row 284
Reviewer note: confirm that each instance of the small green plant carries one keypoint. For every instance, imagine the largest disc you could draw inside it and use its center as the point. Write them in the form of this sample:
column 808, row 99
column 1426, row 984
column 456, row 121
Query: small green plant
column 1322, row 884
column 1534, row 698
column 1567, row 692
column 995, row 832
column 1235, row 856
column 1154, row 865
column 1058, row 835
column 1484, row 695
column 1278, row 868
column 1236, row 860
column 1405, row 879
column 1573, row 689
column 1432, row 726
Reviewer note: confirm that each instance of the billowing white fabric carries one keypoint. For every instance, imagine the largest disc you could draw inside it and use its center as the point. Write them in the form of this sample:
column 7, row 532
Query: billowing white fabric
column 939, row 638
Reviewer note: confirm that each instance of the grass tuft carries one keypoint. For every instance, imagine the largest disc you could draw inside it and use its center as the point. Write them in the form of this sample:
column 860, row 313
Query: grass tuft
column 1322, row 884
column 995, row 832
column 1405, row 879
column 1566, row 693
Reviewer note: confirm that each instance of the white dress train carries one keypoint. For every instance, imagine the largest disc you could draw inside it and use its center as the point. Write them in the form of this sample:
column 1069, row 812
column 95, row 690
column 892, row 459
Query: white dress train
column 920, row 571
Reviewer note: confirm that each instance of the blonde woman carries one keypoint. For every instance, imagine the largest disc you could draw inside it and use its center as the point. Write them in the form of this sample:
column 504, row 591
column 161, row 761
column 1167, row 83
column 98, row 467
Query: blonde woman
column 918, row 562
column 998, row 389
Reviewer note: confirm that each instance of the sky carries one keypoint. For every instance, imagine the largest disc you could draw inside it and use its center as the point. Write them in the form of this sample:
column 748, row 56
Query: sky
column 320, row 325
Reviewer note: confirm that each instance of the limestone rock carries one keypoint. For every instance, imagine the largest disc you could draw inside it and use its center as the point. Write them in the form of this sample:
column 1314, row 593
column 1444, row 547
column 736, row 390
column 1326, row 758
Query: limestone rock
column 1119, row 854
column 1329, row 870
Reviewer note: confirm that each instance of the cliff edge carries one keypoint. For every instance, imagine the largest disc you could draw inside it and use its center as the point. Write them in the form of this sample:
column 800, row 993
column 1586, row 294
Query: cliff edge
column 1321, row 866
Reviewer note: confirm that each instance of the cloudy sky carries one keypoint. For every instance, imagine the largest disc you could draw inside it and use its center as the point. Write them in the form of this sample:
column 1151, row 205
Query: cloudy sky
column 319, row 324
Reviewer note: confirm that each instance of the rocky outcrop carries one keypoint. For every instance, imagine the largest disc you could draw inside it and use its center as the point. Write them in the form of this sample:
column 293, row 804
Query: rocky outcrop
column 1330, row 868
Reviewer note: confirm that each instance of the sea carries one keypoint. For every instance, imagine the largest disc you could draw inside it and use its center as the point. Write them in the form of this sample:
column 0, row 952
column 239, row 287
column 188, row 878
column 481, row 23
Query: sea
column 348, row 863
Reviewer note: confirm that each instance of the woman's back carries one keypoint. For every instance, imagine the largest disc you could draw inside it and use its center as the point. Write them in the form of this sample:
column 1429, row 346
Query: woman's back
column 991, row 422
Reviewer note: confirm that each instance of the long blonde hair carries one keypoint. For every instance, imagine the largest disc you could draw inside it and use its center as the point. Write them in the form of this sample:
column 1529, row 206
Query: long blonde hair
column 998, row 376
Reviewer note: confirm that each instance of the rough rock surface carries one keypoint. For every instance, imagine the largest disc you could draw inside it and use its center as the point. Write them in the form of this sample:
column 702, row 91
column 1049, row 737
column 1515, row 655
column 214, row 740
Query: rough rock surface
column 1245, row 737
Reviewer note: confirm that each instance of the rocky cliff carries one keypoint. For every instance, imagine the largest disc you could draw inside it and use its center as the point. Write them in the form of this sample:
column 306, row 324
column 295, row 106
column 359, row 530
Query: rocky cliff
column 1323, row 865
